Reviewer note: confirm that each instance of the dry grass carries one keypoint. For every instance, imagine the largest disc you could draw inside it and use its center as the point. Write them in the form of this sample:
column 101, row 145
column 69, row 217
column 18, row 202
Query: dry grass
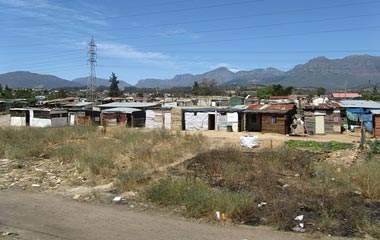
column 291, row 182
column 107, row 156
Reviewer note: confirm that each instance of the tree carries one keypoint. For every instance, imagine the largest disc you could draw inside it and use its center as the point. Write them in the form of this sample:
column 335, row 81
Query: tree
column 1, row 90
column 114, row 88
column 274, row 90
column 321, row 91
column 195, row 89
column 7, row 92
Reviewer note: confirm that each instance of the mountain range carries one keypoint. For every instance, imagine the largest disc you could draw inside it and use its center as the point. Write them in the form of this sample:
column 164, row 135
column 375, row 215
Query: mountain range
column 100, row 82
column 353, row 72
column 24, row 79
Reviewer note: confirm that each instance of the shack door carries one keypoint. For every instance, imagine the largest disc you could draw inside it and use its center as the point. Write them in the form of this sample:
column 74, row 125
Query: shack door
column 319, row 124
column 211, row 122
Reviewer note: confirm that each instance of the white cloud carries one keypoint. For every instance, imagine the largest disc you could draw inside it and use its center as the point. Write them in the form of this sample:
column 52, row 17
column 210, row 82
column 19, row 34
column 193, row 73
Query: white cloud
column 128, row 52
column 226, row 65
column 48, row 10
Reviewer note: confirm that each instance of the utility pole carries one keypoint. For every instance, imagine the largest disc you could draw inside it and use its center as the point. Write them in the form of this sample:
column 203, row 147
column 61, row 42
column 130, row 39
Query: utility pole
column 91, row 81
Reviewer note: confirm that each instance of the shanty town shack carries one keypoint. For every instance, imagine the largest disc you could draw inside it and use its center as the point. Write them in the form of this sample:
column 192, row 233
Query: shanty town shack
column 130, row 117
column 38, row 117
column 271, row 118
column 212, row 118
column 322, row 118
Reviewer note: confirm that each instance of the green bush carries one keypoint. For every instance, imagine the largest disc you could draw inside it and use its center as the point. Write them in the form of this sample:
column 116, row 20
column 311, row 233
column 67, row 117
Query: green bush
column 199, row 199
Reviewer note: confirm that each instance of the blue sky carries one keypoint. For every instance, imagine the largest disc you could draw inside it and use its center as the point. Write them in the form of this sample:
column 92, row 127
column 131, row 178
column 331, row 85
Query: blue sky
column 159, row 39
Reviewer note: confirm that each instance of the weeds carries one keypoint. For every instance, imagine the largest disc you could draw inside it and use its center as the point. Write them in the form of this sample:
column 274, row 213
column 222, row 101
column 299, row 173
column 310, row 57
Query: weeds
column 199, row 199
column 131, row 180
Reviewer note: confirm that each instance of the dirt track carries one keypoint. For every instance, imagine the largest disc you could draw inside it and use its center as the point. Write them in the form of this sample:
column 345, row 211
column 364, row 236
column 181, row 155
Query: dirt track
column 44, row 216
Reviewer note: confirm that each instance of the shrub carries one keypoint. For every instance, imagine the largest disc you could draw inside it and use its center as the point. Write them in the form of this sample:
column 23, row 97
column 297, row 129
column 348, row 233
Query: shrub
column 199, row 199
column 131, row 180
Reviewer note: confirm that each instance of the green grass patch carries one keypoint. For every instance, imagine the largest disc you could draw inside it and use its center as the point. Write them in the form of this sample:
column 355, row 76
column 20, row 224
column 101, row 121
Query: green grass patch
column 313, row 145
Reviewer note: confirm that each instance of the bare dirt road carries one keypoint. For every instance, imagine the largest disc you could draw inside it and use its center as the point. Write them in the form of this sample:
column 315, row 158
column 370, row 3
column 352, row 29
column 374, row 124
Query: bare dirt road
column 45, row 216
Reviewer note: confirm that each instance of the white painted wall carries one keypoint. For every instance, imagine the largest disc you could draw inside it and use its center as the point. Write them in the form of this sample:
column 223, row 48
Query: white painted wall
column 39, row 122
column 168, row 120
column 59, row 122
column 18, row 121
column 196, row 122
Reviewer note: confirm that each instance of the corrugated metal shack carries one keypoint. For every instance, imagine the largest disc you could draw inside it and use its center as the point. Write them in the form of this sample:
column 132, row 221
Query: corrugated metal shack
column 322, row 118
column 158, row 118
column 358, row 112
column 130, row 117
column 212, row 118
column 37, row 117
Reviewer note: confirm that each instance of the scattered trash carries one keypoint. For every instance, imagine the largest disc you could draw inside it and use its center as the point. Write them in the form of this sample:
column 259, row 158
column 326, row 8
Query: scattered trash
column 299, row 218
column 249, row 141
column 129, row 194
column 116, row 199
column 76, row 196
column 36, row 185
column 358, row 193
column 9, row 234
column 262, row 204
column 223, row 217
column 301, row 225
column 217, row 215
column 299, row 229
column 297, row 175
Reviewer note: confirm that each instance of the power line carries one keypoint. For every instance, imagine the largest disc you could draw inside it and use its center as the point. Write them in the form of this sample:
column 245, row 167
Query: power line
column 265, row 37
column 32, row 5
column 224, row 29
column 148, row 5
column 150, row 13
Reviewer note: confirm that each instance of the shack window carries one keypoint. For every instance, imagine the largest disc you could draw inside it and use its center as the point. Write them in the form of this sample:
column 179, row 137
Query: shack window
column 17, row 113
column 41, row 114
column 274, row 119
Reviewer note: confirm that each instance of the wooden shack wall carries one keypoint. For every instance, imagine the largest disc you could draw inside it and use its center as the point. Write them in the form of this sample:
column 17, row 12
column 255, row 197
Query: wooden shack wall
column 280, row 126
column 376, row 128
column 332, row 121
column 309, row 119
column 177, row 119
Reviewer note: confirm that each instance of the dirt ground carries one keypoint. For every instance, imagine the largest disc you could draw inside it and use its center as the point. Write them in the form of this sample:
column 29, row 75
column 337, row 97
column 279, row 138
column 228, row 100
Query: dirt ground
column 46, row 216
column 270, row 139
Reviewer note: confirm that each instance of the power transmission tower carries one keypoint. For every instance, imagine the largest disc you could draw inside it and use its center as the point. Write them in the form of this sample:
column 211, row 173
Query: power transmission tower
column 91, row 81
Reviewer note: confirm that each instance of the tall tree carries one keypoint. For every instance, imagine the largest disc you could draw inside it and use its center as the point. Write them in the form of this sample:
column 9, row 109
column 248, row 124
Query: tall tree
column 114, row 88
column 7, row 92
column 321, row 91
column 195, row 89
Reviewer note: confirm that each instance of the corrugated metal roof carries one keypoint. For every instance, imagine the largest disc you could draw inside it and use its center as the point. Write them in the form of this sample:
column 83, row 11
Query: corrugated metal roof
column 346, row 95
column 359, row 104
column 210, row 109
column 270, row 108
column 123, row 110
column 376, row 112
column 128, row 105
column 78, row 104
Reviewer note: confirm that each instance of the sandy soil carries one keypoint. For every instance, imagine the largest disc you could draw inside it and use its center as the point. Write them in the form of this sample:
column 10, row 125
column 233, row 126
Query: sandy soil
column 270, row 139
column 45, row 216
